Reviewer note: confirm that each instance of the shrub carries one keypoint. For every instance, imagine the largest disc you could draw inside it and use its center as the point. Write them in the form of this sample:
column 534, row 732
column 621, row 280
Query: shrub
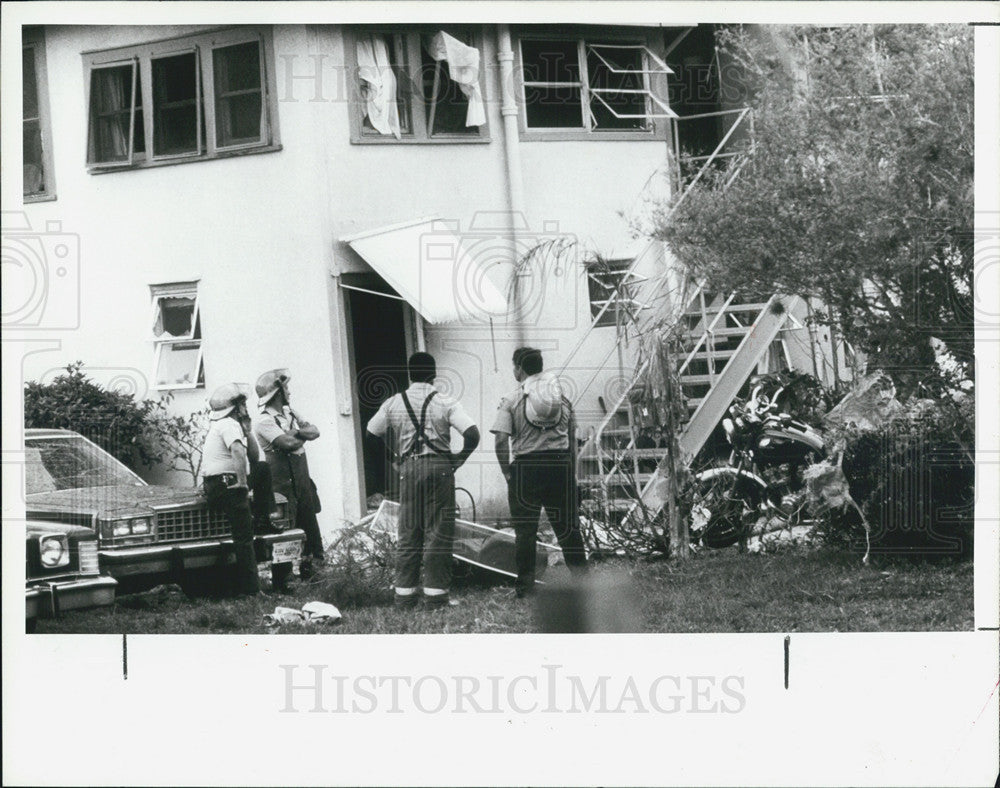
column 176, row 441
column 914, row 478
column 111, row 419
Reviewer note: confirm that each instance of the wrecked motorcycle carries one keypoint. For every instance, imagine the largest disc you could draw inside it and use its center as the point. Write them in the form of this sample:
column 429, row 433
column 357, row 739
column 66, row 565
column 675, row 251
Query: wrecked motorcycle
column 762, row 480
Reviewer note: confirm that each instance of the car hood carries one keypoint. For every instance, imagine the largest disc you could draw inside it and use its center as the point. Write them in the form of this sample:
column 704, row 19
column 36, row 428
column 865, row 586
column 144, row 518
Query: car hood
column 39, row 527
column 113, row 502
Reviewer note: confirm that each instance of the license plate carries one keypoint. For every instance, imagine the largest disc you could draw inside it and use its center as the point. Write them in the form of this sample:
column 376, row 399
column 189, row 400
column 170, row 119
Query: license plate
column 283, row 552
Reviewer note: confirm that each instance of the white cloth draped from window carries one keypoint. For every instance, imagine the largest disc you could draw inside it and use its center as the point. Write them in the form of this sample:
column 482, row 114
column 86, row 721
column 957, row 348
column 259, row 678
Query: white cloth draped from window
column 463, row 67
column 114, row 91
column 379, row 85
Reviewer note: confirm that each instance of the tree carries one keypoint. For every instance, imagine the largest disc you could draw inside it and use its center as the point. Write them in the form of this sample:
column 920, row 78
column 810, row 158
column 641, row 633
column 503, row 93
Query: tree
column 858, row 191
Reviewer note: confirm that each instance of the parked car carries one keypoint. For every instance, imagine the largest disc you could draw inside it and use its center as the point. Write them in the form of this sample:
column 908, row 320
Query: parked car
column 62, row 571
column 142, row 530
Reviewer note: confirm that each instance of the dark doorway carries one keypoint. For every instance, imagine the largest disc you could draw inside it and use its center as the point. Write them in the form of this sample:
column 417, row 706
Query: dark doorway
column 379, row 350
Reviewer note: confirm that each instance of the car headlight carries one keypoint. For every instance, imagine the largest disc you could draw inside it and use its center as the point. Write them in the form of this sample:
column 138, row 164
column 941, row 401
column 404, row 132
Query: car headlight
column 141, row 526
column 54, row 550
column 135, row 526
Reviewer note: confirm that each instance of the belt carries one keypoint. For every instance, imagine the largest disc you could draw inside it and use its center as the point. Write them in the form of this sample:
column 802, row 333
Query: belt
column 225, row 478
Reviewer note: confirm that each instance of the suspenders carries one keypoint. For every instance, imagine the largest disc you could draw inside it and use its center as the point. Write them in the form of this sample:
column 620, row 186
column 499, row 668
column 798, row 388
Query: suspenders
column 420, row 438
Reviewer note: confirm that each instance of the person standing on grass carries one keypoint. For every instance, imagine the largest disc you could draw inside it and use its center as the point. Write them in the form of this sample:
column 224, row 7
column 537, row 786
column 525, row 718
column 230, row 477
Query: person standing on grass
column 536, row 422
column 422, row 448
column 226, row 469
column 283, row 433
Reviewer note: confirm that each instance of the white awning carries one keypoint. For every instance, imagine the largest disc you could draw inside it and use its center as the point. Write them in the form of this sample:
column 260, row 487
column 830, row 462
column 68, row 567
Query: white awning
column 425, row 262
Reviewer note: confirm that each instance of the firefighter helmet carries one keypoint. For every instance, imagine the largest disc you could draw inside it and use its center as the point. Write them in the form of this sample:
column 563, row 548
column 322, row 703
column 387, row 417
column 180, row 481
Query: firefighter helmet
column 225, row 398
column 270, row 383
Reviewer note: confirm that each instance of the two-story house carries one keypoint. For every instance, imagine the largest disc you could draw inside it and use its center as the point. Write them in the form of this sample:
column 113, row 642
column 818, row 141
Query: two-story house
column 330, row 198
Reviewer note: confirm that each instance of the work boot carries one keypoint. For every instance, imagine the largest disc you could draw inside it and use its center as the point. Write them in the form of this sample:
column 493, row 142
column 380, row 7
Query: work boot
column 436, row 601
column 405, row 602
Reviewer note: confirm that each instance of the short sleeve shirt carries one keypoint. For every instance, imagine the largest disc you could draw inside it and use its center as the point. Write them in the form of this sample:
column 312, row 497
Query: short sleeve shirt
column 525, row 437
column 393, row 423
column 216, row 456
column 273, row 424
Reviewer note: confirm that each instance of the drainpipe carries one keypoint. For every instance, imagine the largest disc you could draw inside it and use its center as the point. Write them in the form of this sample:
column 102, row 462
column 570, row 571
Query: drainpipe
column 512, row 154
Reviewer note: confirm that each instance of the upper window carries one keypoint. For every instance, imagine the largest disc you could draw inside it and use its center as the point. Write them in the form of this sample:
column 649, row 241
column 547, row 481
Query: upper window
column 590, row 86
column 177, row 360
column 38, row 179
column 418, row 85
column 191, row 98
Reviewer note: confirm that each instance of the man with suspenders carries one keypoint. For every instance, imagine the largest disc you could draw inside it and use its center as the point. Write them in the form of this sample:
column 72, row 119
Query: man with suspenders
column 536, row 421
column 422, row 447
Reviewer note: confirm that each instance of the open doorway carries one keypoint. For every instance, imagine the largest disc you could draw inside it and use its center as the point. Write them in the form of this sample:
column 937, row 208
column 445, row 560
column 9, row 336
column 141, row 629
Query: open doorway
column 380, row 345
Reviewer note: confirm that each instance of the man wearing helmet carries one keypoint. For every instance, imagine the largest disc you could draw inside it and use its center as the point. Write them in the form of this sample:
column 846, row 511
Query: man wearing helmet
column 536, row 421
column 282, row 434
column 226, row 467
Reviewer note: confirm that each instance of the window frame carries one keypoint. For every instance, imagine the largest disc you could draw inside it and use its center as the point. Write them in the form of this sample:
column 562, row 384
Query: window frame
column 34, row 38
column 585, row 37
column 620, row 270
column 176, row 290
column 203, row 44
column 419, row 114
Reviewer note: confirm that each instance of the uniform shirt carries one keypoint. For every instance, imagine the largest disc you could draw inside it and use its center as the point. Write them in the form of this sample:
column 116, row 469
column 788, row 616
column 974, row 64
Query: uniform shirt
column 525, row 437
column 272, row 424
column 216, row 457
column 442, row 414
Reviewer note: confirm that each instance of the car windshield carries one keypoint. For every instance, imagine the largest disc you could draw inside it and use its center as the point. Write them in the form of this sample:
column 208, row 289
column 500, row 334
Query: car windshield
column 71, row 462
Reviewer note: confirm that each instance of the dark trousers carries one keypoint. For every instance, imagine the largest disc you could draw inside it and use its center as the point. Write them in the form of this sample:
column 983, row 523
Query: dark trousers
column 305, row 518
column 236, row 505
column 426, row 522
column 544, row 480
column 262, row 502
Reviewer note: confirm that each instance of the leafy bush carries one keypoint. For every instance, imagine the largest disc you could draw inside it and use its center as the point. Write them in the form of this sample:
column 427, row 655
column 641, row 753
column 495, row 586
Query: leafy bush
column 914, row 478
column 362, row 561
column 176, row 442
column 113, row 420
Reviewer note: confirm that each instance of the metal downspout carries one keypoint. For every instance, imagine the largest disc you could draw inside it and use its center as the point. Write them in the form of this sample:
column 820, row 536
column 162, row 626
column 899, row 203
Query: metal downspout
column 512, row 154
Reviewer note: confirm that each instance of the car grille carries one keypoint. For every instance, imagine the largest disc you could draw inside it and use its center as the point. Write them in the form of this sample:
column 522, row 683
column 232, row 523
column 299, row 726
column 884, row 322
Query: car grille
column 183, row 524
column 88, row 558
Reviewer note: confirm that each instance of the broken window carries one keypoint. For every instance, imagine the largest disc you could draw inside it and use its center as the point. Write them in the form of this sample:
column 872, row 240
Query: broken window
column 177, row 359
column 419, row 85
column 206, row 96
column 606, row 284
column 592, row 86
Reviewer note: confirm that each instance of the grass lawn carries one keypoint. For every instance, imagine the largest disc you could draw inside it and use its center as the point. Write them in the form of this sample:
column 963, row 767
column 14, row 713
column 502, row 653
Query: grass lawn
column 719, row 591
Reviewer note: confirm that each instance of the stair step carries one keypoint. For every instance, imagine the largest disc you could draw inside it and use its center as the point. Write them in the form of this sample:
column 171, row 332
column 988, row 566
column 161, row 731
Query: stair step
column 714, row 310
column 617, row 478
column 694, row 402
column 698, row 379
column 639, row 454
column 720, row 332
column 704, row 355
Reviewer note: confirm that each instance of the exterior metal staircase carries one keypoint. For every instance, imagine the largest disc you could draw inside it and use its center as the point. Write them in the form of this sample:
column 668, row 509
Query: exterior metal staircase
column 721, row 344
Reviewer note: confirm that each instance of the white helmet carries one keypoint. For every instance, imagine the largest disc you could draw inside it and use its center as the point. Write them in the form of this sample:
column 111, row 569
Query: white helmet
column 225, row 398
column 269, row 384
